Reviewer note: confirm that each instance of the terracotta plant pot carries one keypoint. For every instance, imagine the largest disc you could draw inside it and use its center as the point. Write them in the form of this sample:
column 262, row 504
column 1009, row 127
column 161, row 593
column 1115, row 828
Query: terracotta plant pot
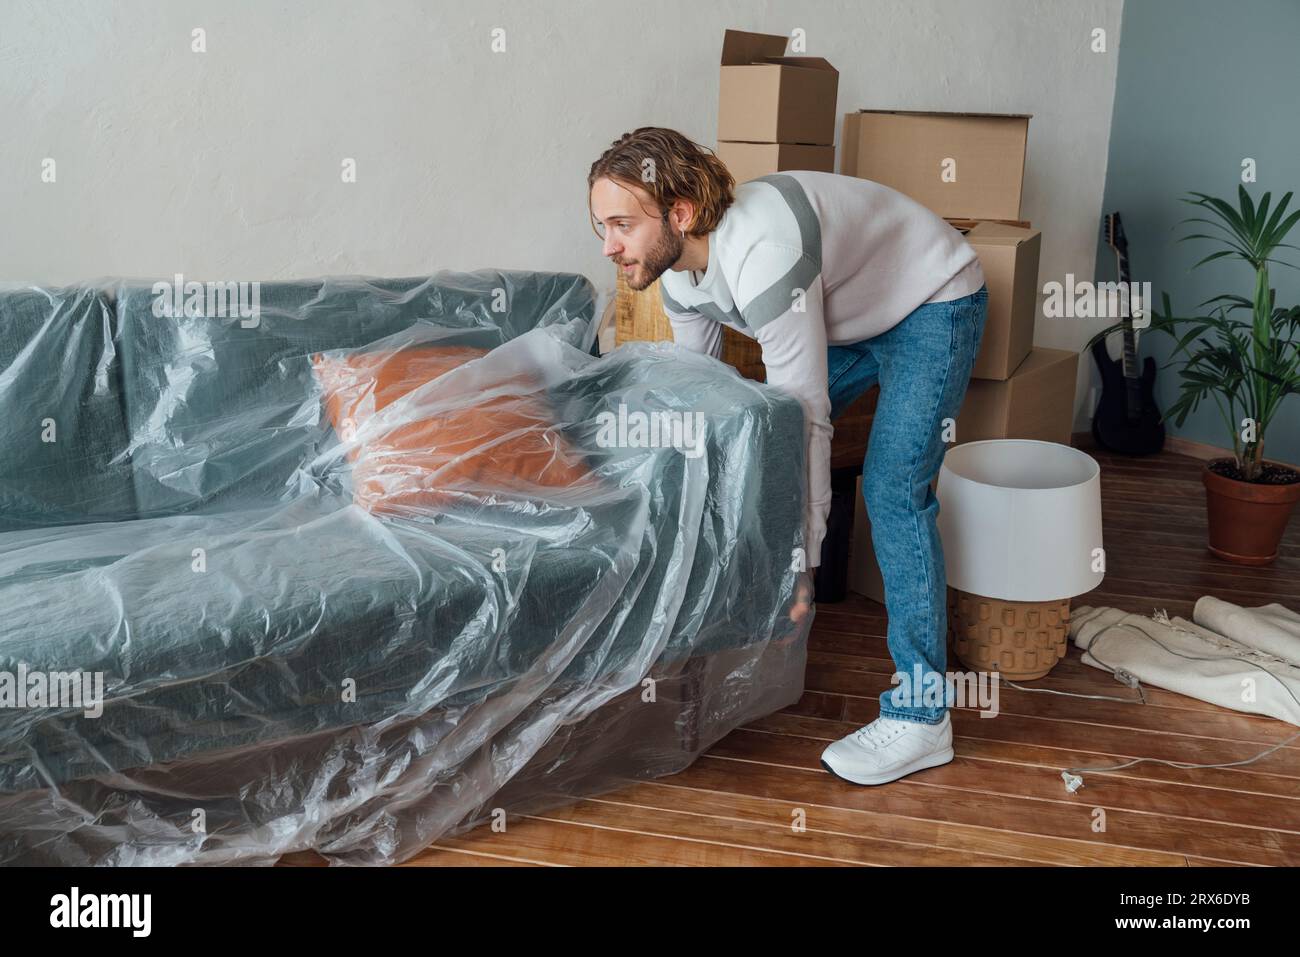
column 1247, row 519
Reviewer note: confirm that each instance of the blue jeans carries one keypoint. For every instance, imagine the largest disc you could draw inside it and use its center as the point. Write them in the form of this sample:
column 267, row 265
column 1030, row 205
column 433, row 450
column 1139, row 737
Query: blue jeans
column 923, row 365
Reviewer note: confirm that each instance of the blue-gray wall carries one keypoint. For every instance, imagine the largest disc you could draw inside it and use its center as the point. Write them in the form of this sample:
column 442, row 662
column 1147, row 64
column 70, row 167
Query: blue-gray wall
column 1202, row 85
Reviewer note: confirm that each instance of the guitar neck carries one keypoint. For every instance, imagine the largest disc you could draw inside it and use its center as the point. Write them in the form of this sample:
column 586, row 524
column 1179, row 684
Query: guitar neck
column 1130, row 338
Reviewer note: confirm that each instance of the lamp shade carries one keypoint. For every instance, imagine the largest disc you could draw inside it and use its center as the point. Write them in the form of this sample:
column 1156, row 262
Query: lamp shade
column 1020, row 520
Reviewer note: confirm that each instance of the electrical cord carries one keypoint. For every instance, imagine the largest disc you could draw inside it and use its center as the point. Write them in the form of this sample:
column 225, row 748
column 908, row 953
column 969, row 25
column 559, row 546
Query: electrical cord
column 1074, row 781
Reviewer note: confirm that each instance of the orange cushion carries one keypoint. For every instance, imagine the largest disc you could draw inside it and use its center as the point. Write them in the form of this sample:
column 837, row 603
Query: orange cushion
column 508, row 443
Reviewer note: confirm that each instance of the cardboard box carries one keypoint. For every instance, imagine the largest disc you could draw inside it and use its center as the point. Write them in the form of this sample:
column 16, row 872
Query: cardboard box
column 1036, row 402
column 961, row 165
column 764, row 97
column 864, row 571
column 748, row 161
column 1009, row 258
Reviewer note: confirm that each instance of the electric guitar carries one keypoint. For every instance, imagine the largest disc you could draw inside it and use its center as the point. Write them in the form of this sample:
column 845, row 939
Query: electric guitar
column 1127, row 420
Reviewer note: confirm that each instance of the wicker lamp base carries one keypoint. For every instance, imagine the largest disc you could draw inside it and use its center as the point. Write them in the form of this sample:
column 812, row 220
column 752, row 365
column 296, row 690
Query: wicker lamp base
column 1022, row 640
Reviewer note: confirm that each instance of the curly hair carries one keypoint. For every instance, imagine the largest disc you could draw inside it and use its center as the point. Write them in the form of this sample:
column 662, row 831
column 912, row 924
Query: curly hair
column 669, row 167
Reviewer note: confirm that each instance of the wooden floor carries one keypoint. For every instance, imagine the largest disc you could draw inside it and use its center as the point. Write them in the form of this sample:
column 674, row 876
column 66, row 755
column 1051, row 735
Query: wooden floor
column 1001, row 801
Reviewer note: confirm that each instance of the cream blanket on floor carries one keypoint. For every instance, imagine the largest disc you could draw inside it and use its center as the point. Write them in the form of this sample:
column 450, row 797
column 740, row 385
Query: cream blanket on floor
column 1232, row 651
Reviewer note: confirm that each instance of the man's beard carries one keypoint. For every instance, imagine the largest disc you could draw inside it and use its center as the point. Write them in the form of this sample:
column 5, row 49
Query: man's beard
column 666, row 251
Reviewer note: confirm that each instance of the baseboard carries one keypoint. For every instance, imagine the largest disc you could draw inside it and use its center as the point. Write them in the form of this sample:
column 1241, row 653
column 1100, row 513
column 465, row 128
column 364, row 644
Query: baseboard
column 1179, row 446
column 1197, row 450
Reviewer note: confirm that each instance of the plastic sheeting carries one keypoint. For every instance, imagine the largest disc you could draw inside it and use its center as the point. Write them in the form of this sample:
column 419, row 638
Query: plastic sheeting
column 284, row 669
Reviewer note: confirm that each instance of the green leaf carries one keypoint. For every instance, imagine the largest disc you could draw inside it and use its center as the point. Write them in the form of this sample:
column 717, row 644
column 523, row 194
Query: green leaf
column 1229, row 216
column 1276, row 379
column 1241, row 250
column 1214, row 256
column 1247, row 208
column 1261, row 214
column 1216, row 224
column 1228, row 297
column 1271, row 225
column 1275, row 235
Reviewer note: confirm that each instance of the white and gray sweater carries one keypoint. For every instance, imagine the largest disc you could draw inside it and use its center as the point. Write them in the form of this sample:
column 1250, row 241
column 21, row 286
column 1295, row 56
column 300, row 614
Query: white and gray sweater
column 804, row 260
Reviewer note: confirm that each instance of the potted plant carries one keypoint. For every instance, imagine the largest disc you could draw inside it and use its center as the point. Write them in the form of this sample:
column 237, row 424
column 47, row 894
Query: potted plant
column 1244, row 355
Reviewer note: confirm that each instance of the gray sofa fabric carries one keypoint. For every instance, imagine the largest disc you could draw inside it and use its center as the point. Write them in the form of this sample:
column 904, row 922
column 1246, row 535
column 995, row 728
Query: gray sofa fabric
column 63, row 436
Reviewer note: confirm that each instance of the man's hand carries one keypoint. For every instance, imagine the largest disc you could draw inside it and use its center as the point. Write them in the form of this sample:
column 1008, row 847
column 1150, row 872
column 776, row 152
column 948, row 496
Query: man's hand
column 803, row 596
column 800, row 606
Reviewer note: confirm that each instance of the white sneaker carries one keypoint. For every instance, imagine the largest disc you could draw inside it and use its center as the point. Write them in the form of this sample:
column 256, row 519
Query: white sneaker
column 887, row 749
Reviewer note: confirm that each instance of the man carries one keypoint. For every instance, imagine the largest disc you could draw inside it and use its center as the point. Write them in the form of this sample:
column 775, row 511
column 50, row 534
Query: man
column 845, row 283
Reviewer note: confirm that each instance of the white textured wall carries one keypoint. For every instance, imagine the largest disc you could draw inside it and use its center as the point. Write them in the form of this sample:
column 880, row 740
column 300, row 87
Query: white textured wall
column 226, row 164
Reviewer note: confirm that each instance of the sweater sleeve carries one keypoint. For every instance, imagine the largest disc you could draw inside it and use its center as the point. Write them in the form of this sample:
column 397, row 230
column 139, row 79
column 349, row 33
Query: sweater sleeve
column 780, row 296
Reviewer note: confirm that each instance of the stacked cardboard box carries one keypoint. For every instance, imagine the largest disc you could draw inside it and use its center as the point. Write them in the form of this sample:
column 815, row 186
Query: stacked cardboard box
column 961, row 165
column 775, row 112
column 969, row 168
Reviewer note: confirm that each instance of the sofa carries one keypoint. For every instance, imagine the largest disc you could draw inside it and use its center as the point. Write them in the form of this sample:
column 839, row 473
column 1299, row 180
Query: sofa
column 287, row 664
